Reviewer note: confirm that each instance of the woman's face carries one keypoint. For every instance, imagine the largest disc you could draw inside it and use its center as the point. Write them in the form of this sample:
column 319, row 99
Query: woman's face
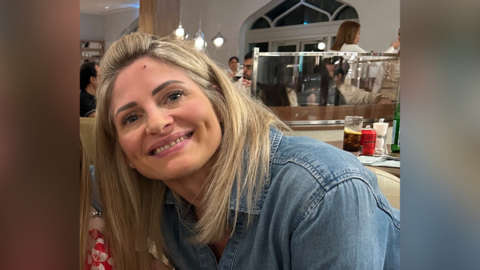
column 357, row 37
column 166, row 125
column 233, row 64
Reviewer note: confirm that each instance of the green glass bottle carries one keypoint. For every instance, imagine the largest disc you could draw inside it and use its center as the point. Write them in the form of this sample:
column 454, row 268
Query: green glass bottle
column 396, row 130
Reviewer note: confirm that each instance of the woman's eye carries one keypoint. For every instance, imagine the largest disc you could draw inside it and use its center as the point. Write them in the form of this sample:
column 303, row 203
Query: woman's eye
column 174, row 95
column 130, row 119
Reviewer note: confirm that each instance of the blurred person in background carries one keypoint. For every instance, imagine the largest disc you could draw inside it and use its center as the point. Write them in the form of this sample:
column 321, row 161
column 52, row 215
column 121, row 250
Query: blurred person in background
column 387, row 80
column 348, row 36
column 188, row 165
column 233, row 66
column 244, row 84
column 349, row 94
column 89, row 78
column 247, row 70
column 276, row 91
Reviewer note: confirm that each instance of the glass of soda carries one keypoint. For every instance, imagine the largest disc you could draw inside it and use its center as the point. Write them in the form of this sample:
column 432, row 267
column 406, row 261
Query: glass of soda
column 352, row 134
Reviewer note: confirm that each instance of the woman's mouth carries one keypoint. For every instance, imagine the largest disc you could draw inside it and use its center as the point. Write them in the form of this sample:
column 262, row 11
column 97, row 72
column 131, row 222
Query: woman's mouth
column 170, row 145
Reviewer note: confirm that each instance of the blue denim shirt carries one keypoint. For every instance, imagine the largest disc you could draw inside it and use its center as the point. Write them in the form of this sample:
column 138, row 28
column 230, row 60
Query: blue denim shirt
column 320, row 209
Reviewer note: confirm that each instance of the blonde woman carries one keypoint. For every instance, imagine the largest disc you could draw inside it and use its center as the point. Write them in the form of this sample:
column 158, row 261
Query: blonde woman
column 202, row 174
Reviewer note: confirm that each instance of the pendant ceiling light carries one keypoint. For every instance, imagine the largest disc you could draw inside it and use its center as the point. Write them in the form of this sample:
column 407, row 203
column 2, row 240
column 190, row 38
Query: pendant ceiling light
column 180, row 32
column 199, row 39
column 218, row 40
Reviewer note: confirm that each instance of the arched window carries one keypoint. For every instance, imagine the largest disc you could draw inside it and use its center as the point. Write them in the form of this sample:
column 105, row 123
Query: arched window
column 328, row 5
column 297, row 12
column 302, row 15
column 261, row 23
column 296, row 25
column 282, row 8
column 347, row 13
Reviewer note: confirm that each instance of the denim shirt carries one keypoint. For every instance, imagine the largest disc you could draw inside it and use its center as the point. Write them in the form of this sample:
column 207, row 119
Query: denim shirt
column 320, row 208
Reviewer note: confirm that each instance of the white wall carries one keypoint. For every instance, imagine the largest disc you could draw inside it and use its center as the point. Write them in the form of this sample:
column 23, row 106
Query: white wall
column 380, row 20
column 114, row 23
column 91, row 26
column 231, row 15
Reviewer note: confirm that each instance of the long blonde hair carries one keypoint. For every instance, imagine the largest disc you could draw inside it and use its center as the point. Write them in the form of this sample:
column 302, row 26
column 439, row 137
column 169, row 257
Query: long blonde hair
column 85, row 201
column 132, row 203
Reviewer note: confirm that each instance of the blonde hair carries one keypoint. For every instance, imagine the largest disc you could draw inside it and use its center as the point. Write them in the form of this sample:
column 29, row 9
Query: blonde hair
column 85, row 202
column 133, row 204
column 347, row 32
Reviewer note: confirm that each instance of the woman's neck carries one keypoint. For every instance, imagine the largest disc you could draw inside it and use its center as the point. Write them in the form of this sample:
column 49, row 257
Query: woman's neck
column 192, row 188
column 91, row 90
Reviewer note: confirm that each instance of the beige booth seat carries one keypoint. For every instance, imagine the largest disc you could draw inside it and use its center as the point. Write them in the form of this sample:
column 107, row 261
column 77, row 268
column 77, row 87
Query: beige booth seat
column 86, row 129
column 389, row 184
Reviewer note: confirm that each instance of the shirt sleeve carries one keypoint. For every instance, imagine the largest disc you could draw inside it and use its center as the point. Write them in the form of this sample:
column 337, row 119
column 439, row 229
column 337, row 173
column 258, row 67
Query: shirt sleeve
column 346, row 230
column 357, row 96
column 391, row 50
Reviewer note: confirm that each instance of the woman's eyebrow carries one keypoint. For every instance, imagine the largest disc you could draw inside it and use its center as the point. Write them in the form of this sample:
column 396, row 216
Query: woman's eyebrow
column 163, row 85
column 126, row 106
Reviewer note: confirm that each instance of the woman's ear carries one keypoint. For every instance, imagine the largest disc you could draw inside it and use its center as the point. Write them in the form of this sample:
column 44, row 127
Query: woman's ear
column 216, row 88
column 128, row 162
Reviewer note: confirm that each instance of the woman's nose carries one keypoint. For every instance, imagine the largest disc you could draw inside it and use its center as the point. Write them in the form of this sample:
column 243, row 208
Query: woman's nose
column 159, row 122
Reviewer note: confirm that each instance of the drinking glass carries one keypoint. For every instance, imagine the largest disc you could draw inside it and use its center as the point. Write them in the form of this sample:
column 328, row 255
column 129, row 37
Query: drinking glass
column 352, row 134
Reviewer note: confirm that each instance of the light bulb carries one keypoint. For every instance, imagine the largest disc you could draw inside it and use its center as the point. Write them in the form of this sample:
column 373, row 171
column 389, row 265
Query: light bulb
column 199, row 42
column 321, row 46
column 180, row 32
column 218, row 41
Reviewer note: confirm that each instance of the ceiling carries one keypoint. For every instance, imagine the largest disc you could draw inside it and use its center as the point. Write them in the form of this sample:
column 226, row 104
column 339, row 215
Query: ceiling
column 99, row 6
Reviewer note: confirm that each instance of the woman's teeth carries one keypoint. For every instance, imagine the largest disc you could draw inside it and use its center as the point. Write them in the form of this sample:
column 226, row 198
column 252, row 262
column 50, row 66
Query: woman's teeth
column 173, row 143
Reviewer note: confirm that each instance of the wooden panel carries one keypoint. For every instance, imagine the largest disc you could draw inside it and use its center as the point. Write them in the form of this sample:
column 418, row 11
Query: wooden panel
column 146, row 16
column 159, row 17
column 167, row 17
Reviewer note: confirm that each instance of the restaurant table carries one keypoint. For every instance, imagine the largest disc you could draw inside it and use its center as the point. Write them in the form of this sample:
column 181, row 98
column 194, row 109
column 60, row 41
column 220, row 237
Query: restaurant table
column 392, row 170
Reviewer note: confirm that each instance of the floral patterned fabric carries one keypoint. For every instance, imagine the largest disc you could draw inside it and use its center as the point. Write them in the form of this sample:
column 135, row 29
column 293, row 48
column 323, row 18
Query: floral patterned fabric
column 99, row 257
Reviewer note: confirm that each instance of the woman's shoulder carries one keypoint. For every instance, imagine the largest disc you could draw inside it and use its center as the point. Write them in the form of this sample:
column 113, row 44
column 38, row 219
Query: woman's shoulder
column 352, row 48
column 304, row 171
column 321, row 164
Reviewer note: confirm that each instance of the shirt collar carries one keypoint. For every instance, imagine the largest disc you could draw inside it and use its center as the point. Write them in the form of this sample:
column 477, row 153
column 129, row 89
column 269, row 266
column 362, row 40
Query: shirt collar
column 275, row 137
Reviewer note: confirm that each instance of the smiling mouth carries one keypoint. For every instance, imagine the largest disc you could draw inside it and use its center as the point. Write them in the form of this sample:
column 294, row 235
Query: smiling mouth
column 171, row 144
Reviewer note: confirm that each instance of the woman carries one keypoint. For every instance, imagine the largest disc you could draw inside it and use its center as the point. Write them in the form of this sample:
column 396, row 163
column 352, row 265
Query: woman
column 233, row 66
column 348, row 36
column 203, row 174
